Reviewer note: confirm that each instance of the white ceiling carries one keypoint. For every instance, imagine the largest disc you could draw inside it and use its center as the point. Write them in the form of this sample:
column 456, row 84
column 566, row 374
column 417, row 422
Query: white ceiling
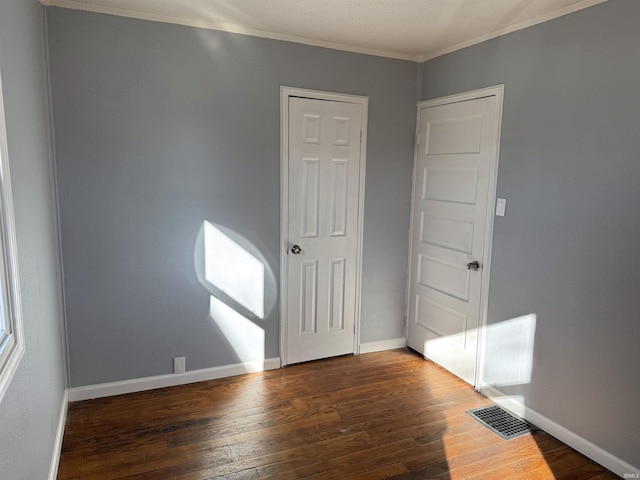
column 408, row 29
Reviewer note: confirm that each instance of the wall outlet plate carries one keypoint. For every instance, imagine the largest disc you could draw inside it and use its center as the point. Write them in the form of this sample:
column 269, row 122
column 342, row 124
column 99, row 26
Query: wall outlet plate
column 501, row 207
column 179, row 365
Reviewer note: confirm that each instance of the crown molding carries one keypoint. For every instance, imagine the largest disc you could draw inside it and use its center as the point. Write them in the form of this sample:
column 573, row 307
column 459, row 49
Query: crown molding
column 189, row 22
column 88, row 6
column 581, row 5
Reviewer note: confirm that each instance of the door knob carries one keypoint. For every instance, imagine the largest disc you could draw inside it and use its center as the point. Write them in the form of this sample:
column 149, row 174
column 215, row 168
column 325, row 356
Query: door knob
column 475, row 265
column 296, row 249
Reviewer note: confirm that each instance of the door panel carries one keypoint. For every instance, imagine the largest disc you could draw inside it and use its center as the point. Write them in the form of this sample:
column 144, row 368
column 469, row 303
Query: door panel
column 309, row 197
column 450, row 185
column 308, row 297
column 339, row 203
column 324, row 168
column 456, row 148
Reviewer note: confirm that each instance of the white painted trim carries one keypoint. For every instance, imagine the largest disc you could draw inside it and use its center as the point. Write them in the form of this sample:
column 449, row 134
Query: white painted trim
column 160, row 381
column 10, row 285
column 575, row 441
column 284, row 218
column 210, row 25
column 364, row 102
column 285, row 93
column 488, row 244
column 461, row 97
column 512, row 28
column 382, row 345
column 57, row 445
column 498, row 92
column 411, row 225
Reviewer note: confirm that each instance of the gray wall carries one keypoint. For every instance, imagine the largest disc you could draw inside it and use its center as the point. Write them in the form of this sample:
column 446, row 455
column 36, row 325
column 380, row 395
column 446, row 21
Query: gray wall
column 160, row 127
column 30, row 409
column 567, row 249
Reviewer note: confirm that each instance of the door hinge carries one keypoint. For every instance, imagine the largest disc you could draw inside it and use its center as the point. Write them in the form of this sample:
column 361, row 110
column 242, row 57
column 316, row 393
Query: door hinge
column 417, row 139
column 360, row 136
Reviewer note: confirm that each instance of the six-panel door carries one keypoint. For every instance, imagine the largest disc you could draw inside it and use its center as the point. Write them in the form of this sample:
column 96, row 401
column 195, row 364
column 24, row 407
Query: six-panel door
column 324, row 155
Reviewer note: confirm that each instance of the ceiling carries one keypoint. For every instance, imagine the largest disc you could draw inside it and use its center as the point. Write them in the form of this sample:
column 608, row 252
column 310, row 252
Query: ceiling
column 408, row 29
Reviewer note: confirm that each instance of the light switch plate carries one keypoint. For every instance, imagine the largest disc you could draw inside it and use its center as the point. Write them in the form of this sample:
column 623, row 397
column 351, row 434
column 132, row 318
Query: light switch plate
column 501, row 207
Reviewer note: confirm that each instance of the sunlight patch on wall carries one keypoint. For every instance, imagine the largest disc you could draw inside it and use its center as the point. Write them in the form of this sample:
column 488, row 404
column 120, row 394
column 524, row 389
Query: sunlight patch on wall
column 233, row 270
column 509, row 353
column 245, row 337
column 508, row 356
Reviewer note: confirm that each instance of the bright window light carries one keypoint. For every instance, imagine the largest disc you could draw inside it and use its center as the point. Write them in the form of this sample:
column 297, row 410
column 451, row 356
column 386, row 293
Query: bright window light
column 510, row 347
column 245, row 337
column 233, row 270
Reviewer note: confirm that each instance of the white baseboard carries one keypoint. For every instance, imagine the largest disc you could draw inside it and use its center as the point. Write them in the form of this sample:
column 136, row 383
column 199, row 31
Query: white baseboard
column 161, row 381
column 582, row 445
column 381, row 345
column 57, row 445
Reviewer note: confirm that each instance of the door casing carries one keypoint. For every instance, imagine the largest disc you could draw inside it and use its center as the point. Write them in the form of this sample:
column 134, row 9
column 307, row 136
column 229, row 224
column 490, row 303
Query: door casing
column 285, row 94
column 498, row 92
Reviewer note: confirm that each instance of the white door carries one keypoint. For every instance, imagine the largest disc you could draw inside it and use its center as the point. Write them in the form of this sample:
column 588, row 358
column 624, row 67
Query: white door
column 324, row 149
column 454, row 184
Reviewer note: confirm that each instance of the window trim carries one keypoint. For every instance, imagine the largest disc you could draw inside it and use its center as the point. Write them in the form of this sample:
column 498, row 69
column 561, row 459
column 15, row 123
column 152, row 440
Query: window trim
column 13, row 343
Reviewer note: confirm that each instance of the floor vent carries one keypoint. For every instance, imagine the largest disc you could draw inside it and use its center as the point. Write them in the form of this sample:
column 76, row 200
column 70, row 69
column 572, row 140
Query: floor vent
column 503, row 423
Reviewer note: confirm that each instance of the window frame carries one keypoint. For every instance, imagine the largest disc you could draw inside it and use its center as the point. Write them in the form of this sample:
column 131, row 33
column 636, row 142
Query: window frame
column 12, row 344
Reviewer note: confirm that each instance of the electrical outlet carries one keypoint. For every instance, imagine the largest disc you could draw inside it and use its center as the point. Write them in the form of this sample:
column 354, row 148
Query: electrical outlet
column 179, row 365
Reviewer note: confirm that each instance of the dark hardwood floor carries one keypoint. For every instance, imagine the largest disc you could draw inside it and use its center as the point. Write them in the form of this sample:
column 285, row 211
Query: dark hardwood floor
column 387, row 415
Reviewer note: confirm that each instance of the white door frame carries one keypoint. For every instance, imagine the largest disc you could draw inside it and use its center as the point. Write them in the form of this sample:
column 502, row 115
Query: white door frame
column 498, row 92
column 285, row 94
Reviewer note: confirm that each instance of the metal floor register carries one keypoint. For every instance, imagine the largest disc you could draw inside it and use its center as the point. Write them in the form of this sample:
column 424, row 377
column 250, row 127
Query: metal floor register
column 503, row 423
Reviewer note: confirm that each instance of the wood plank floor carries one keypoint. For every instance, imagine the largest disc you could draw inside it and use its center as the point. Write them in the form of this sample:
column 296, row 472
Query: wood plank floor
column 387, row 415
